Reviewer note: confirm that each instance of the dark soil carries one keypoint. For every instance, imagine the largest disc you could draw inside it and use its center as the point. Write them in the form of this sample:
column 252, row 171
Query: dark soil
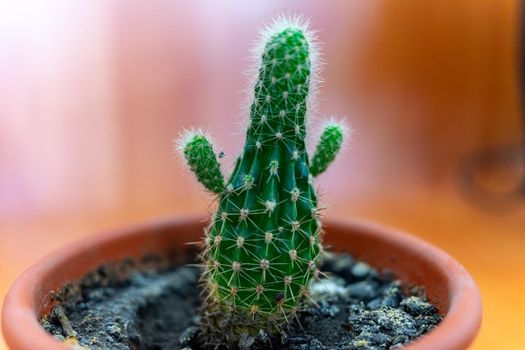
column 126, row 307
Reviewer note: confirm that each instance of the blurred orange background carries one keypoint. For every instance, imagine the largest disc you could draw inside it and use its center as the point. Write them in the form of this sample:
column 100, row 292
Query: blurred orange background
column 92, row 94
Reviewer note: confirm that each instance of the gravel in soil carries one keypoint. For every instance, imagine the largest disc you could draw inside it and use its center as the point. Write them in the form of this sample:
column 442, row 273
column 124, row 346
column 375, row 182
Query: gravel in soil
column 358, row 308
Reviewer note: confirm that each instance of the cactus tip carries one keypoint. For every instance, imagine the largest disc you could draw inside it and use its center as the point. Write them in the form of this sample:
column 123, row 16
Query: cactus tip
column 186, row 136
column 341, row 124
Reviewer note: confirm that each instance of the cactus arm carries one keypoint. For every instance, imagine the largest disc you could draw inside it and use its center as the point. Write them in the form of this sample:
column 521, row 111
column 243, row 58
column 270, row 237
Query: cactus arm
column 200, row 156
column 264, row 242
column 327, row 148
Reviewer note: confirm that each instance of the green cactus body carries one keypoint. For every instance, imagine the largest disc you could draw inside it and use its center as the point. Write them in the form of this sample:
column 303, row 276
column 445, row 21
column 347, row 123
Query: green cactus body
column 264, row 240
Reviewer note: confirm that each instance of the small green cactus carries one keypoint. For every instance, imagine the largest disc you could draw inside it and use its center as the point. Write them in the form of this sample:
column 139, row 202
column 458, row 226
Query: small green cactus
column 264, row 241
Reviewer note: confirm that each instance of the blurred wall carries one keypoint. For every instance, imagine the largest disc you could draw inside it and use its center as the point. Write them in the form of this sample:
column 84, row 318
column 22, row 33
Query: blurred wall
column 93, row 93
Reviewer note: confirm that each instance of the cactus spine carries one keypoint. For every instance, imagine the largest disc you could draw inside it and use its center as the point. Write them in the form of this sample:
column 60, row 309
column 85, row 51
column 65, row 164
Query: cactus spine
column 263, row 243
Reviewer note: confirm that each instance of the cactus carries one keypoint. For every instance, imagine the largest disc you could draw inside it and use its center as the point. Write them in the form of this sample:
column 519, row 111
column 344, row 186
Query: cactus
column 264, row 240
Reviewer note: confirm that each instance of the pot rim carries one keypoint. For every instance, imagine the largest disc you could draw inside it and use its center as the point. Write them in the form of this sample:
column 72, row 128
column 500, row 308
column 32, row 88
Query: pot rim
column 462, row 320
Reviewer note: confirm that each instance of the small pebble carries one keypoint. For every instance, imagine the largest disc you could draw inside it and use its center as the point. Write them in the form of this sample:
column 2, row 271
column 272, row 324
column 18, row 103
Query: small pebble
column 187, row 336
column 389, row 302
column 374, row 304
column 416, row 306
column 328, row 287
column 365, row 290
column 361, row 270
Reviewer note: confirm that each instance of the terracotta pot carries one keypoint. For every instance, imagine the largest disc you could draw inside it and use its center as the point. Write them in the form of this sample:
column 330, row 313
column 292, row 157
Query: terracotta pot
column 449, row 286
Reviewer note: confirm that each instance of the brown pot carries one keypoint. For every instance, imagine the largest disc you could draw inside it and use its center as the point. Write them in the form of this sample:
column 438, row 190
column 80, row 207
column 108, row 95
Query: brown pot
column 448, row 284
